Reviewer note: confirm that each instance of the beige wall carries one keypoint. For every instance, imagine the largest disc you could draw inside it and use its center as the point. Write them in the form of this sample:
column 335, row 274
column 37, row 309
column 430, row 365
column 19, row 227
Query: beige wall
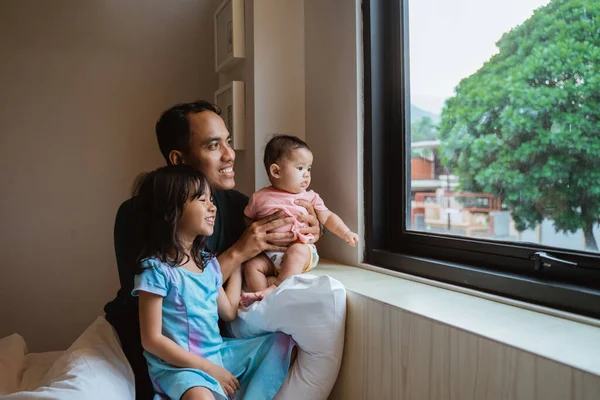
column 81, row 86
column 244, row 71
column 279, row 82
column 273, row 72
column 334, row 115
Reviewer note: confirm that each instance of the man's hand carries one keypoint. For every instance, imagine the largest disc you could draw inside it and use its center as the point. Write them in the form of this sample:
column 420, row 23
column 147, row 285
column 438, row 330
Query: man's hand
column 256, row 239
column 311, row 220
column 258, row 236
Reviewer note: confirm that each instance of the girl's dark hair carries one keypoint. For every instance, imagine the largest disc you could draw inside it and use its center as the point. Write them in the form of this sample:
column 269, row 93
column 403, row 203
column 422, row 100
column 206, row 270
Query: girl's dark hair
column 159, row 198
column 279, row 146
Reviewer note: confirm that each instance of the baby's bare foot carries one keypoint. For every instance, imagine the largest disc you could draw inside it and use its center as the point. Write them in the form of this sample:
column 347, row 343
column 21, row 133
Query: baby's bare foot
column 268, row 290
column 247, row 299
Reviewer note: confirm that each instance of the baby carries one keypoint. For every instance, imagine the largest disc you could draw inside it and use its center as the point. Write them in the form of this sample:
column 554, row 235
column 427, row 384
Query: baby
column 288, row 161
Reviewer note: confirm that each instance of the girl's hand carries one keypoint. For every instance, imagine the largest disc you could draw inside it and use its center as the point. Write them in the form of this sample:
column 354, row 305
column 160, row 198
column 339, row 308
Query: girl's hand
column 351, row 238
column 227, row 381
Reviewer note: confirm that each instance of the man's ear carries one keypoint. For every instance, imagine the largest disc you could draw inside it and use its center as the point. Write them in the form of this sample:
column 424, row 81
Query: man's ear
column 176, row 157
column 274, row 171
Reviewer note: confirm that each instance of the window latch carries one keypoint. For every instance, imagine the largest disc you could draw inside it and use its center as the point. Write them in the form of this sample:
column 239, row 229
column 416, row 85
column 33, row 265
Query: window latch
column 543, row 260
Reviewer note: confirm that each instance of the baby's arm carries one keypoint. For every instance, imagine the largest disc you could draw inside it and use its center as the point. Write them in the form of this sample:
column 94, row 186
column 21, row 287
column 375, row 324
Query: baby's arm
column 229, row 299
column 334, row 224
column 161, row 346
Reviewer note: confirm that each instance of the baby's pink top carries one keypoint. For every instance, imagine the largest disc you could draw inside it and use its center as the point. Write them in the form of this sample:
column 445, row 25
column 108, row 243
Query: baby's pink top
column 269, row 200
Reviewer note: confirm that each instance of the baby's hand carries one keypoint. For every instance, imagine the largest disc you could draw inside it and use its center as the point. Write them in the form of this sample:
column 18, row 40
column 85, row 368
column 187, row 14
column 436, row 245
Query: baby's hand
column 351, row 238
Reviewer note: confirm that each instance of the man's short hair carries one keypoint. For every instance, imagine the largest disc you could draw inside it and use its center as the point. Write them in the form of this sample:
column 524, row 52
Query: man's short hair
column 173, row 126
column 279, row 146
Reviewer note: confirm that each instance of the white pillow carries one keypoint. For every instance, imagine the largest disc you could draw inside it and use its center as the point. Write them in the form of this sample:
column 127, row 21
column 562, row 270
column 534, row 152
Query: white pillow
column 12, row 363
column 37, row 366
column 312, row 310
column 93, row 368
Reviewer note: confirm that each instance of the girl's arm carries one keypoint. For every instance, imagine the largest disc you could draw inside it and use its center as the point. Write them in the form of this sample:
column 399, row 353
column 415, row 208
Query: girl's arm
column 161, row 346
column 334, row 224
column 229, row 299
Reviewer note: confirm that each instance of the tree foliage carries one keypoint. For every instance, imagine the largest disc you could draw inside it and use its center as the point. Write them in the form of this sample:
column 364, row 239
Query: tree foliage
column 526, row 125
column 423, row 129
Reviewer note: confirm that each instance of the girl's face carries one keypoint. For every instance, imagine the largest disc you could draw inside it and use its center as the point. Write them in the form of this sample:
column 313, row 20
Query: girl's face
column 198, row 216
column 292, row 173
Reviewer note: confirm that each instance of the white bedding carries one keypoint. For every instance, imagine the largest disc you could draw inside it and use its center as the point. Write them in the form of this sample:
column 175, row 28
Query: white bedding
column 36, row 367
column 311, row 309
column 93, row 368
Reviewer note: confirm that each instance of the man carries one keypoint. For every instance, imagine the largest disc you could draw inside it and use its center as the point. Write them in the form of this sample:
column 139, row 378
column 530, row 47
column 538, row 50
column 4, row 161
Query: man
column 193, row 134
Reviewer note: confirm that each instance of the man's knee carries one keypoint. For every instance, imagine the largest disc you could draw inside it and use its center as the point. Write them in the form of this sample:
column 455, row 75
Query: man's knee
column 198, row 393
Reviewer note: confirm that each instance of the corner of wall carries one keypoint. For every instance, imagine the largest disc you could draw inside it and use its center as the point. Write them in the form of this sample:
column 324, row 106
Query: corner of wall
column 333, row 59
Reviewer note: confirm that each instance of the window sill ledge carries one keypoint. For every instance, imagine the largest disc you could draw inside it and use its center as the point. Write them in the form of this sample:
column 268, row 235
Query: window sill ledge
column 559, row 336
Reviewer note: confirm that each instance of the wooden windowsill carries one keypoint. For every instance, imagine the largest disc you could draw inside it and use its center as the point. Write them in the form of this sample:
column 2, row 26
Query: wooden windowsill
column 565, row 338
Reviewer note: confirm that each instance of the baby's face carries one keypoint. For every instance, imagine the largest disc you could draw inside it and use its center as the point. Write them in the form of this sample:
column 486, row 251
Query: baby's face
column 295, row 171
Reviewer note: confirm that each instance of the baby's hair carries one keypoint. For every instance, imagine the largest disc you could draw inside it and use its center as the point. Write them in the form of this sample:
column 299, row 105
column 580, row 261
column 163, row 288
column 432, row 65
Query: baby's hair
column 279, row 146
column 159, row 198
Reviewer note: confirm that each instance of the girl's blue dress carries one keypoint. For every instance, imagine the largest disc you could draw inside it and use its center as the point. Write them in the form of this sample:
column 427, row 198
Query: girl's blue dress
column 190, row 319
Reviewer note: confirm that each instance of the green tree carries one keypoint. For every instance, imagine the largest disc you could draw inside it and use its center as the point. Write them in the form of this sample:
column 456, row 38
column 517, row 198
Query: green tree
column 526, row 126
column 423, row 129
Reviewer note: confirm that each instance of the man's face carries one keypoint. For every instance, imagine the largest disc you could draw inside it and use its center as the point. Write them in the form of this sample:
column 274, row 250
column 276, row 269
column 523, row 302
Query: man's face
column 210, row 149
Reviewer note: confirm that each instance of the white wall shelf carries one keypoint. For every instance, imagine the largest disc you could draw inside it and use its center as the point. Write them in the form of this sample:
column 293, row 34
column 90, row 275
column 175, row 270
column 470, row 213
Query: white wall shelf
column 231, row 100
column 230, row 46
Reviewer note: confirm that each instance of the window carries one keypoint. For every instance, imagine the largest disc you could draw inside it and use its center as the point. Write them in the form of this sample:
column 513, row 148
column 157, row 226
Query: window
column 482, row 145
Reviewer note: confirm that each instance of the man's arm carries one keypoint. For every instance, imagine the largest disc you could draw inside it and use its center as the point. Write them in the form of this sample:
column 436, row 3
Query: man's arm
column 126, row 244
column 255, row 239
column 122, row 311
column 123, row 238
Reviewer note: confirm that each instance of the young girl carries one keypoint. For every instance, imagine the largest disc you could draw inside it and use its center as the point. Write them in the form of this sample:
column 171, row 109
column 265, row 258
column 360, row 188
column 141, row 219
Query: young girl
column 288, row 162
column 181, row 300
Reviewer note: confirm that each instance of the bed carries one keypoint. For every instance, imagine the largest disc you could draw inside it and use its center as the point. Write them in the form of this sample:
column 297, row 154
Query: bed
column 309, row 308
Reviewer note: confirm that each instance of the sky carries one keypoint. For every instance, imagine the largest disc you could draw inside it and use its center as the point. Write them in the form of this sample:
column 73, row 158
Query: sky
column 450, row 40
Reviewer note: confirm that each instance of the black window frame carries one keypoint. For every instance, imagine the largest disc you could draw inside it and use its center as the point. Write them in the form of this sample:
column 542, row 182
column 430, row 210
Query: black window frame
column 502, row 268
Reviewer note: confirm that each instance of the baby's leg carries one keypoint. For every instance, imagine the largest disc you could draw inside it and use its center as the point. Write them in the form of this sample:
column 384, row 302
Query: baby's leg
column 198, row 393
column 271, row 280
column 295, row 260
column 256, row 271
